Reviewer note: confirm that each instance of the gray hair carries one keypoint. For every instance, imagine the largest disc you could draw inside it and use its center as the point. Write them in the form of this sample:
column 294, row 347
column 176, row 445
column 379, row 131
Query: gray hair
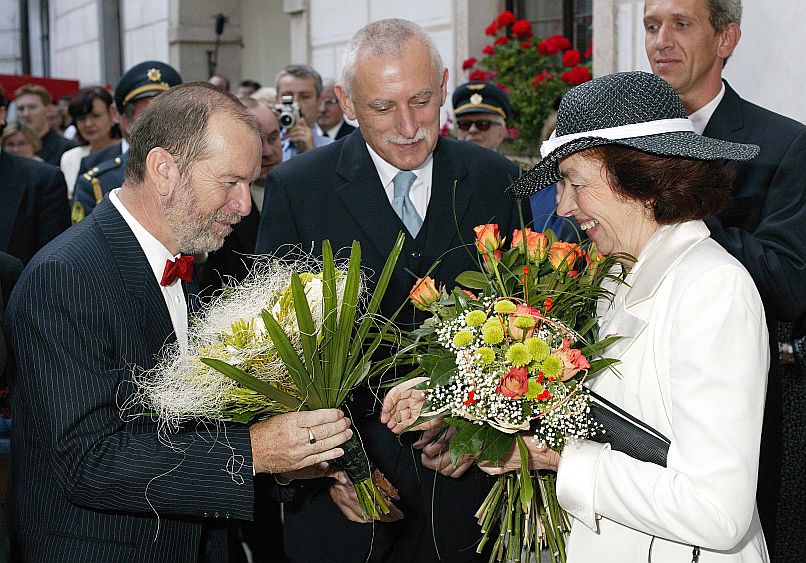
column 724, row 12
column 384, row 38
column 300, row 71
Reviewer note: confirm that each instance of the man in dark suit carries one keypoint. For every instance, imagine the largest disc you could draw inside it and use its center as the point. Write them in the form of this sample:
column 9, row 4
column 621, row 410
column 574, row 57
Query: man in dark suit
column 330, row 121
column 34, row 201
column 33, row 102
column 764, row 226
column 394, row 84
column 90, row 482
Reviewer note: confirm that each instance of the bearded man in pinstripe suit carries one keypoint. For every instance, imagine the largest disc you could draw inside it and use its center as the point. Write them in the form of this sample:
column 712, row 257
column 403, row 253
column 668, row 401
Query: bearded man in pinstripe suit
column 87, row 483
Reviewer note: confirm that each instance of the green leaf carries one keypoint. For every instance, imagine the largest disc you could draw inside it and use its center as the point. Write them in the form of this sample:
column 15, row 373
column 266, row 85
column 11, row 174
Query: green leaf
column 330, row 353
column 473, row 279
column 251, row 382
column 481, row 441
column 308, row 336
column 441, row 369
column 600, row 364
column 526, row 478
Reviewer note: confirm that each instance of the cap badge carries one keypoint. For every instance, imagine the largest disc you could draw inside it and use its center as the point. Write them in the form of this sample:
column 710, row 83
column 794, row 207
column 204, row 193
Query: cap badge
column 476, row 99
column 154, row 74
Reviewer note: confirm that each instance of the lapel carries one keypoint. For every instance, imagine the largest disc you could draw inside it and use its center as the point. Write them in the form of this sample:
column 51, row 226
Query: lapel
column 727, row 121
column 10, row 194
column 138, row 279
column 448, row 204
column 365, row 199
column 663, row 252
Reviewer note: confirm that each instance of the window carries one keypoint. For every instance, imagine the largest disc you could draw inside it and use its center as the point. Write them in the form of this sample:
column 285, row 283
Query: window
column 571, row 18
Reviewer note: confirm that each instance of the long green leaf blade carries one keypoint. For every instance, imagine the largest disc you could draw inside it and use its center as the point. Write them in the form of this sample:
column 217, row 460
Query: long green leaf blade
column 346, row 325
column 308, row 335
column 251, row 382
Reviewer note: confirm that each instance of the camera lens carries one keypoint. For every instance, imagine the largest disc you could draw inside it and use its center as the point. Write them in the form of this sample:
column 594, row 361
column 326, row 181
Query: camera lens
column 286, row 120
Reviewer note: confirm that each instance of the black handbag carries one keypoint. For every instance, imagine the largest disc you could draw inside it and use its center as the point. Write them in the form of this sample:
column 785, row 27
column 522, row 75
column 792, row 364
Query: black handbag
column 625, row 433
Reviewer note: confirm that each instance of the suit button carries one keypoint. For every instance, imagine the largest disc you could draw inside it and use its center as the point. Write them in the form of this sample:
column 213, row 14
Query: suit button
column 216, row 515
column 205, row 514
column 416, row 255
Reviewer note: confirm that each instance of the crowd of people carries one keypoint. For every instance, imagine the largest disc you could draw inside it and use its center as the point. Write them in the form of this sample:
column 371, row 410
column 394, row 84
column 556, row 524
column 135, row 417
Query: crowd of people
column 699, row 192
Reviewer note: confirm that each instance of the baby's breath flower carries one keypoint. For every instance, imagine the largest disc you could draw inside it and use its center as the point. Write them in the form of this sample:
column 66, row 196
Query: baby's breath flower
column 518, row 355
column 492, row 332
column 462, row 338
column 504, row 306
column 486, row 355
column 475, row 318
column 552, row 366
column 538, row 348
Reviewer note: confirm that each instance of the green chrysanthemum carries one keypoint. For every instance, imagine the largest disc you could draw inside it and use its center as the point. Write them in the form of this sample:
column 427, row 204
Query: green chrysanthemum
column 475, row 318
column 504, row 306
column 462, row 338
column 534, row 390
column 552, row 366
column 524, row 321
column 519, row 355
column 486, row 355
column 538, row 348
column 492, row 332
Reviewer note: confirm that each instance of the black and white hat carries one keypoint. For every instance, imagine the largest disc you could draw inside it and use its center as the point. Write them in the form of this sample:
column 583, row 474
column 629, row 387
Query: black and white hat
column 632, row 109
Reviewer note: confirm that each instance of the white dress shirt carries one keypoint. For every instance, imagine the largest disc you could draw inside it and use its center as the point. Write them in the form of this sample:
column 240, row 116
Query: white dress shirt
column 157, row 254
column 702, row 116
column 420, row 193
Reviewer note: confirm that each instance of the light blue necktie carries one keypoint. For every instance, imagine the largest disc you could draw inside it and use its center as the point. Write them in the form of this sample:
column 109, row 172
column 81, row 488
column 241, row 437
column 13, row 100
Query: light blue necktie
column 402, row 204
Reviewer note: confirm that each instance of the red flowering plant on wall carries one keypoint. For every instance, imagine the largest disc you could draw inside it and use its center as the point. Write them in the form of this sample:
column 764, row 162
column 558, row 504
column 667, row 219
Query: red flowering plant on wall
column 534, row 72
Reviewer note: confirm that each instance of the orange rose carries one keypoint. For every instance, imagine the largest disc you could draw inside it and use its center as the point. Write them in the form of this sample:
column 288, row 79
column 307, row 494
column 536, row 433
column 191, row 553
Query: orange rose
column 523, row 311
column 593, row 260
column 536, row 243
column 572, row 359
column 424, row 293
column 487, row 238
column 562, row 255
column 514, row 384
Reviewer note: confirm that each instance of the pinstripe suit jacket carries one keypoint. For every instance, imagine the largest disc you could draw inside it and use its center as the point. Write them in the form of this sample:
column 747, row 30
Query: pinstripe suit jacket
column 86, row 483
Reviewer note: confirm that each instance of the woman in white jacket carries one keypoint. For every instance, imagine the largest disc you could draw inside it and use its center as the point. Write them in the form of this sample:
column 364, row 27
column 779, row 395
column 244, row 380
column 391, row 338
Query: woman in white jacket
column 693, row 353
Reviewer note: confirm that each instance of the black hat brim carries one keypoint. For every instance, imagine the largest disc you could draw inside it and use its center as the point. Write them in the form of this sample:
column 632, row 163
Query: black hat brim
column 683, row 144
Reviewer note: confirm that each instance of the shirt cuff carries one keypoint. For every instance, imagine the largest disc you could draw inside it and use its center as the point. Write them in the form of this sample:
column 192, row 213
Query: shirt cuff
column 576, row 479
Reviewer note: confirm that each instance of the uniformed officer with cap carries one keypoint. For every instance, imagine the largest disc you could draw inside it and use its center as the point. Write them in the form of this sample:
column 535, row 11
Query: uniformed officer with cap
column 482, row 110
column 133, row 93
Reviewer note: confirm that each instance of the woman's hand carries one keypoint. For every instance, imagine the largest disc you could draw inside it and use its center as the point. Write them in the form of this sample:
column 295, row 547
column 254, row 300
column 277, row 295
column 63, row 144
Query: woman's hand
column 402, row 406
column 343, row 494
column 540, row 457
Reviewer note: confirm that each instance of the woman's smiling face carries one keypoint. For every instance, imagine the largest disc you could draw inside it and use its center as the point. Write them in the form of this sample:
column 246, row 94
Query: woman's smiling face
column 615, row 223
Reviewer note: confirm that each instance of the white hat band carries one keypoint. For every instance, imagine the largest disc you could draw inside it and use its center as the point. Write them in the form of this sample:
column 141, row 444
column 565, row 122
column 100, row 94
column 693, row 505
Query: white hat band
column 630, row 131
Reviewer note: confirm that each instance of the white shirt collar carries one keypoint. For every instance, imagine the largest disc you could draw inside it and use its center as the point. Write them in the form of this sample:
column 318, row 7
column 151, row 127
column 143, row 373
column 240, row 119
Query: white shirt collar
column 124, row 146
column 420, row 193
column 702, row 116
column 332, row 132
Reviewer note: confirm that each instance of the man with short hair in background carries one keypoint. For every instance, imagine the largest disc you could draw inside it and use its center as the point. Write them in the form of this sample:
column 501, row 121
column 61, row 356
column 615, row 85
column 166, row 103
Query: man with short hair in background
column 688, row 43
column 33, row 102
column 330, row 122
column 304, row 85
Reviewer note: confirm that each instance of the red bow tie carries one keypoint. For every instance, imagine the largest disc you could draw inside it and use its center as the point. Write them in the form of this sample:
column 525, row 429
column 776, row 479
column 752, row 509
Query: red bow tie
column 182, row 268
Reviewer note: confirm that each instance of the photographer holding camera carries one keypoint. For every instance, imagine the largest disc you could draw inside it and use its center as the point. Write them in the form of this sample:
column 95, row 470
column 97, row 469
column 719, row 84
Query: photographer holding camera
column 298, row 90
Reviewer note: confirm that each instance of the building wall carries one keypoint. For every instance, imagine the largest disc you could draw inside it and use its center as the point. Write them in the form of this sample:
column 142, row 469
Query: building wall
column 75, row 40
column 10, row 58
column 266, row 46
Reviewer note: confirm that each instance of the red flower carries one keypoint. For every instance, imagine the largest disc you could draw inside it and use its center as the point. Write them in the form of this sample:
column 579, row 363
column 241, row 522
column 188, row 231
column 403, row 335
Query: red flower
column 492, row 29
column 505, row 18
column 514, row 384
column 546, row 48
column 471, row 398
column 501, row 41
column 560, row 41
column 469, row 63
column 548, row 303
column 522, row 28
column 571, row 58
column 488, row 50
column 589, row 52
column 576, row 76
column 526, row 44
column 478, row 74
column 512, row 133
column 503, row 88
column 539, row 78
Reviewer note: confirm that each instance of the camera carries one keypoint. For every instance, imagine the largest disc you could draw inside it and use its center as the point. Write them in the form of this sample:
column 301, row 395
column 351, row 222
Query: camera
column 287, row 112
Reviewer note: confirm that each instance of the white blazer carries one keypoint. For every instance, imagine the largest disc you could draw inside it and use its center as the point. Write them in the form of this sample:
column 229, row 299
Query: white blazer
column 693, row 364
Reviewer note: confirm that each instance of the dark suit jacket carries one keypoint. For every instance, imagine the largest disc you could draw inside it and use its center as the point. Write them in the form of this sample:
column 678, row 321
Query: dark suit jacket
column 34, row 205
column 764, row 227
column 87, row 482
column 54, row 146
column 344, row 130
column 97, row 158
column 334, row 193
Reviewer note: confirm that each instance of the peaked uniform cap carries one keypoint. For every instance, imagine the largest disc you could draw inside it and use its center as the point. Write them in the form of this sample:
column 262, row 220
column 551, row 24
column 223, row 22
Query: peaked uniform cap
column 631, row 109
column 144, row 80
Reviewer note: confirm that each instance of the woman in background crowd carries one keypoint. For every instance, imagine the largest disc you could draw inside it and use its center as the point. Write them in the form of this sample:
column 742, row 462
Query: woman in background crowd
column 21, row 140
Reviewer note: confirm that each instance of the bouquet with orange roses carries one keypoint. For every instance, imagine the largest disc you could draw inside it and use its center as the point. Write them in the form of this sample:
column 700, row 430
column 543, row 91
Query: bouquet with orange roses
column 511, row 360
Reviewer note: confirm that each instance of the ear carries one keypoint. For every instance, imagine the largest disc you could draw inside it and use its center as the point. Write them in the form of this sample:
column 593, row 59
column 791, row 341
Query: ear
column 161, row 170
column 729, row 38
column 444, row 87
column 346, row 103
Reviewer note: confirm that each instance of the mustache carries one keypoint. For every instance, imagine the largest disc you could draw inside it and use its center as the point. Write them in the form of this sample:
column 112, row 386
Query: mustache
column 422, row 134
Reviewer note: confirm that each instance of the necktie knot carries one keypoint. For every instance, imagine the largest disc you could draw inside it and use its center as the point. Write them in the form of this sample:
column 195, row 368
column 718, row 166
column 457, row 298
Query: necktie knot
column 402, row 204
column 403, row 181
column 181, row 268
